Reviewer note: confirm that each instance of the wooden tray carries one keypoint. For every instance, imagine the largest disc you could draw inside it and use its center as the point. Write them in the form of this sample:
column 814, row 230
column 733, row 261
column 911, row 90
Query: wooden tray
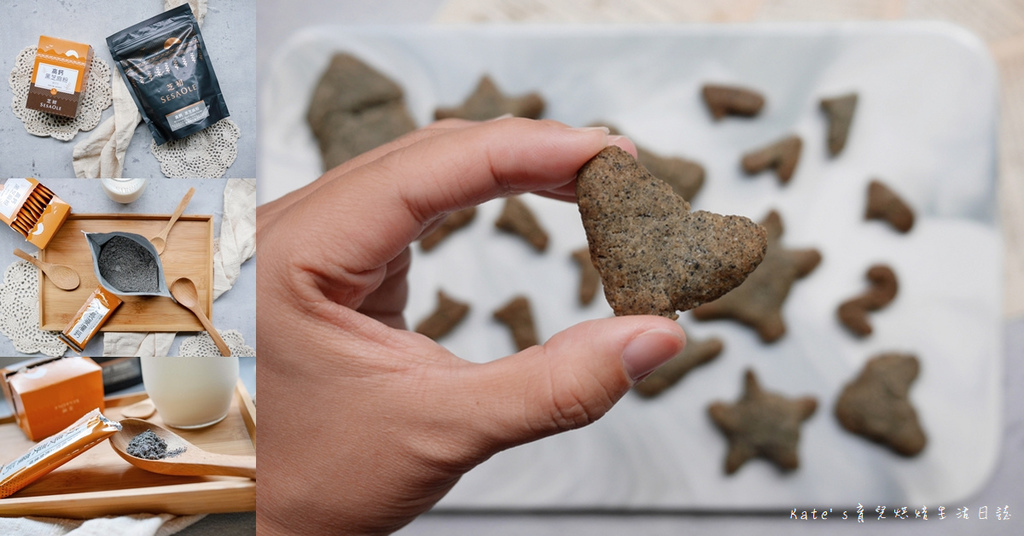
column 189, row 253
column 99, row 482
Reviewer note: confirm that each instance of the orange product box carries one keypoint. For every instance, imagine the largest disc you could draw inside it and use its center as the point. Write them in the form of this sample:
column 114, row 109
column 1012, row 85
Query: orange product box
column 31, row 209
column 89, row 319
column 50, row 394
column 59, row 76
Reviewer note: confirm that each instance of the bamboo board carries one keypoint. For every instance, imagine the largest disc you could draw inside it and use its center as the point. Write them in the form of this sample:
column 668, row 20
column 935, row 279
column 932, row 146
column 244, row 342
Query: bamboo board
column 99, row 482
column 189, row 253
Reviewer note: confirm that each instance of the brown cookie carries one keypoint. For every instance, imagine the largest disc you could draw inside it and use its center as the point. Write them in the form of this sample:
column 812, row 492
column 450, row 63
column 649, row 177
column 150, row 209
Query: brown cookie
column 590, row 278
column 876, row 404
column 516, row 314
column 884, row 204
column 695, row 354
column 517, row 218
column 763, row 424
column 654, row 255
column 853, row 313
column 839, row 111
column 488, row 102
column 758, row 301
column 725, row 100
column 686, row 177
column 355, row 108
column 446, row 316
column 452, row 222
column 782, row 156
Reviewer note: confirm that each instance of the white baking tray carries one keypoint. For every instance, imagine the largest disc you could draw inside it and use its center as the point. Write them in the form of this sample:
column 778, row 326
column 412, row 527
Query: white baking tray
column 925, row 124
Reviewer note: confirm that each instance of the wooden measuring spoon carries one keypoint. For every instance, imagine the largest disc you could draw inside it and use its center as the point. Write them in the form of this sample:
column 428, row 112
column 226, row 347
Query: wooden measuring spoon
column 160, row 241
column 194, row 461
column 65, row 277
column 185, row 293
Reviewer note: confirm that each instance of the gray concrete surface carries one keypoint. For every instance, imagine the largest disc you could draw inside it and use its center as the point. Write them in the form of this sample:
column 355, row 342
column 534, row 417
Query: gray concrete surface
column 229, row 31
column 235, row 309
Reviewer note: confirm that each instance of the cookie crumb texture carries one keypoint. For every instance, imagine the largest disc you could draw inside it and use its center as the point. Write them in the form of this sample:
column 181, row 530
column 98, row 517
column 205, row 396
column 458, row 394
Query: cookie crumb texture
column 654, row 255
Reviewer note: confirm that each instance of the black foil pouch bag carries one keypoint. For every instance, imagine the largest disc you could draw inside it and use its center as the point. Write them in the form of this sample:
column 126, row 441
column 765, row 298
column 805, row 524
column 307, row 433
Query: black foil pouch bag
column 164, row 63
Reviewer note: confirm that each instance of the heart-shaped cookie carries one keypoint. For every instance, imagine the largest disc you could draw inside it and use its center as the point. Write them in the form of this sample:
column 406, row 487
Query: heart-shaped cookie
column 654, row 255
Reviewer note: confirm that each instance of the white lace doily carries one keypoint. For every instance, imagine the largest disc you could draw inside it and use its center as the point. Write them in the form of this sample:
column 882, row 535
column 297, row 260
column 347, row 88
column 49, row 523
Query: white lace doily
column 207, row 153
column 202, row 345
column 198, row 7
column 96, row 99
column 19, row 312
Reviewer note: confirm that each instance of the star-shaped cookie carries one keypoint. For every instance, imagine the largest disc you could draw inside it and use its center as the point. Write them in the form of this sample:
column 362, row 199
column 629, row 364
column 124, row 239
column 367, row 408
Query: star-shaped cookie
column 758, row 301
column 488, row 102
column 876, row 404
column 762, row 424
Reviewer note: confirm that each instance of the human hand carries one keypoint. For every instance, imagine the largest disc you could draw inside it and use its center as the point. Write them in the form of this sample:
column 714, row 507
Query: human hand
column 372, row 424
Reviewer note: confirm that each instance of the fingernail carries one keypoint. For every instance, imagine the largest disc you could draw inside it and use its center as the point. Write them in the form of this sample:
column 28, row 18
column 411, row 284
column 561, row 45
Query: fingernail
column 650, row 350
column 623, row 143
column 593, row 129
column 500, row 117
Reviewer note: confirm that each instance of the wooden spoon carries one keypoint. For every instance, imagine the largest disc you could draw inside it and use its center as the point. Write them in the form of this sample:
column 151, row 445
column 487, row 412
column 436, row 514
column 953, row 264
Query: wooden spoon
column 143, row 409
column 194, row 461
column 65, row 277
column 185, row 293
column 160, row 241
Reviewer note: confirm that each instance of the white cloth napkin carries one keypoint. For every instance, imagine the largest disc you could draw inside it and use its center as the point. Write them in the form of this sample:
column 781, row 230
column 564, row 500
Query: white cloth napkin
column 237, row 242
column 135, row 525
column 102, row 153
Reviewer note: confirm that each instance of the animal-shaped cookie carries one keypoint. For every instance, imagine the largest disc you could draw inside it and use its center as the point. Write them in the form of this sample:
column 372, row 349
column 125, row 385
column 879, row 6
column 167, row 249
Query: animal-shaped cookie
column 853, row 313
column 452, row 222
column 517, row 218
column 723, row 100
column 517, row 315
column 654, row 255
column 758, row 301
column 696, row 353
column 839, row 111
column 488, row 102
column 762, row 424
column 876, row 404
column 448, row 314
column 781, row 155
column 886, row 205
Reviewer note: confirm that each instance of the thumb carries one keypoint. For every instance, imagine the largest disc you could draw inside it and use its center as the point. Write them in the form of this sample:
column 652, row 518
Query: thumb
column 573, row 379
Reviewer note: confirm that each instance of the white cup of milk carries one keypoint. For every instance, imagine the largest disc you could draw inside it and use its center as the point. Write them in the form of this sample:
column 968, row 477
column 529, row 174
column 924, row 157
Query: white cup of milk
column 190, row 392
